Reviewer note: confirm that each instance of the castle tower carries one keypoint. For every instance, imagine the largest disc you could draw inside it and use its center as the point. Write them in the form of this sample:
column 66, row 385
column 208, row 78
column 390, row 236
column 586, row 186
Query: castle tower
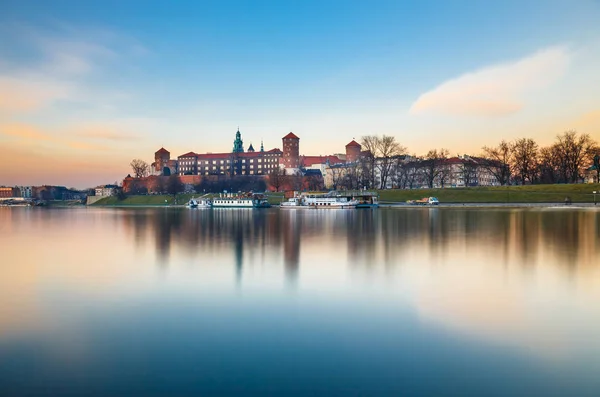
column 161, row 160
column 291, row 151
column 251, row 148
column 353, row 151
column 262, row 147
column 238, row 144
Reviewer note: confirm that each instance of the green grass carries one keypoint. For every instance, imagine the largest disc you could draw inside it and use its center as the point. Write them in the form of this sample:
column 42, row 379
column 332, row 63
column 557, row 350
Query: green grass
column 580, row 193
column 159, row 200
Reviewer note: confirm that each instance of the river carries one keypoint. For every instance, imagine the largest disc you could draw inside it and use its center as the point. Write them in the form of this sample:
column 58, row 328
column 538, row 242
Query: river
column 405, row 301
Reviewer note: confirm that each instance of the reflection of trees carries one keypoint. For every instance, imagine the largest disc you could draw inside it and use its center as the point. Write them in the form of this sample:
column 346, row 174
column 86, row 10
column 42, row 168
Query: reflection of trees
column 522, row 236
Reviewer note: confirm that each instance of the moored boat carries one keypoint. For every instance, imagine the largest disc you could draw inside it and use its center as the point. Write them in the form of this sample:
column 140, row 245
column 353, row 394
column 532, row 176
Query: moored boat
column 331, row 200
column 201, row 202
column 248, row 200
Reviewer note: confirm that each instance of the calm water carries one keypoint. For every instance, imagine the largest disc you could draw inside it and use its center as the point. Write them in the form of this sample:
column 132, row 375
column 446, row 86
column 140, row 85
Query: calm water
column 249, row 302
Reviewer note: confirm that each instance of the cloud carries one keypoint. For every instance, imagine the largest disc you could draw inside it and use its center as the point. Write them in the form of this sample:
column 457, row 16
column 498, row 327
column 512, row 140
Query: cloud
column 495, row 90
column 24, row 132
column 30, row 92
column 109, row 131
column 62, row 65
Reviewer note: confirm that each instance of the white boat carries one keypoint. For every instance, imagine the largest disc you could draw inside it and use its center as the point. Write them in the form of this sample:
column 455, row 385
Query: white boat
column 201, row 202
column 331, row 200
column 249, row 200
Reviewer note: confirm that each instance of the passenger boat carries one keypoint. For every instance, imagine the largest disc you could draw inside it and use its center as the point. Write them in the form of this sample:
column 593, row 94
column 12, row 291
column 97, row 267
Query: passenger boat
column 332, row 200
column 201, row 202
column 248, row 200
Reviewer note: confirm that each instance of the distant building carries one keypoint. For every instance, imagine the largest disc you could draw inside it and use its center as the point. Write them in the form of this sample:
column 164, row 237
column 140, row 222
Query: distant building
column 7, row 192
column 106, row 190
column 25, row 191
column 590, row 175
column 163, row 165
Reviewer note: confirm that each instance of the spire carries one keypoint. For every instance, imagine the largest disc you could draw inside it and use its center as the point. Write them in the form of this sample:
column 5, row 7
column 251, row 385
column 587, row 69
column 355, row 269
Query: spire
column 262, row 147
column 238, row 144
column 250, row 148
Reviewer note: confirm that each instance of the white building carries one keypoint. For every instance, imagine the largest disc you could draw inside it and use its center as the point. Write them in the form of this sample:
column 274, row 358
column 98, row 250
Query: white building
column 106, row 190
column 25, row 191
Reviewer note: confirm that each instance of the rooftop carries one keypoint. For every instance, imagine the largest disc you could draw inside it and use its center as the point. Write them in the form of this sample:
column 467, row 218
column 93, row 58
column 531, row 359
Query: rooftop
column 290, row 136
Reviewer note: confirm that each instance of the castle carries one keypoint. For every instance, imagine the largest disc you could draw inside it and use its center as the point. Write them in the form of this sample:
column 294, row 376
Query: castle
column 249, row 162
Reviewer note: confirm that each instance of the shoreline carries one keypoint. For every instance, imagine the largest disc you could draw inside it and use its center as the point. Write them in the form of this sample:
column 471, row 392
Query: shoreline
column 387, row 205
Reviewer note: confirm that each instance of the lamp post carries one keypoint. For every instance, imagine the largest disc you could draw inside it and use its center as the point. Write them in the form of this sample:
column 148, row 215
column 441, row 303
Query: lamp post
column 594, row 196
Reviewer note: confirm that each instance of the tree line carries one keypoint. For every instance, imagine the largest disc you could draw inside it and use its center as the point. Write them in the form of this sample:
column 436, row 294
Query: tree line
column 385, row 163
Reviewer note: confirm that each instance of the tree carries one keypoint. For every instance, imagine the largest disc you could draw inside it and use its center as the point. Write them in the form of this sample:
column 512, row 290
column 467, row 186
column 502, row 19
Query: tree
column 140, row 168
column 549, row 165
column 497, row 161
column 434, row 166
column 468, row 171
column 597, row 165
column 277, row 178
column 575, row 153
column 369, row 145
column 387, row 150
column 174, row 185
column 525, row 160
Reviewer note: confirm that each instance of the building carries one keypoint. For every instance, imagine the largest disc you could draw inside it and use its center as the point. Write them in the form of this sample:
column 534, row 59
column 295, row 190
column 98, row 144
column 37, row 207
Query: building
column 590, row 175
column 7, row 192
column 106, row 190
column 237, row 162
column 163, row 165
column 25, row 191
column 291, row 153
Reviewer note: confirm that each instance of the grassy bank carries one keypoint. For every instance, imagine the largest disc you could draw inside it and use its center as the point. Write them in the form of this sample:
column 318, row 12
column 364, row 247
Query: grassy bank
column 162, row 200
column 580, row 193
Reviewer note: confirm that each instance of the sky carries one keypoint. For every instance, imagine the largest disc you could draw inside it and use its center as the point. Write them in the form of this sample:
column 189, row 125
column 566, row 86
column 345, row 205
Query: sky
column 85, row 87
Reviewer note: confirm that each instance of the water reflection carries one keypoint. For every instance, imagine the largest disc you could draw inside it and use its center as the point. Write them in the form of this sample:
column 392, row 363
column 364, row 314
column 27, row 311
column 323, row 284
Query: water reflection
column 364, row 285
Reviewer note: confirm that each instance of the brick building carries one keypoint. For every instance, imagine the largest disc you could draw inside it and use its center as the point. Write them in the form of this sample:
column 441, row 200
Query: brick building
column 291, row 152
column 236, row 162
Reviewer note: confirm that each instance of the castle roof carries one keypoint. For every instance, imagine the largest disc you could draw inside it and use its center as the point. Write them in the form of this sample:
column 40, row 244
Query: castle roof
column 353, row 143
column 290, row 136
column 189, row 154
column 308, row 161
column 162, row 150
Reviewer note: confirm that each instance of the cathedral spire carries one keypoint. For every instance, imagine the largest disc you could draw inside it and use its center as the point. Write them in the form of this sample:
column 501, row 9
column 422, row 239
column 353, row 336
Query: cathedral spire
column 238, row 144
column 262, row 148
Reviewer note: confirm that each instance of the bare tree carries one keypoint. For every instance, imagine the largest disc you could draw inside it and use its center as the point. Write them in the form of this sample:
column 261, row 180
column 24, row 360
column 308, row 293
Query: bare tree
column 597, row 165
column 294, row 181
column 525, row 158
column 337, row 173
column 140, row 168
column 549, row 165
column 388, row 150
column 434, row 165
column 369, row 145
column 277, row 178
column 575, row 153
column 497, row 161
column 174, row 185
column 468, row 171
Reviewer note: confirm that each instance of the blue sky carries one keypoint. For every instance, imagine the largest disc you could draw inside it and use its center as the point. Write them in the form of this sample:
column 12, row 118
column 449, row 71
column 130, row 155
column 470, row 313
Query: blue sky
column 87, row 86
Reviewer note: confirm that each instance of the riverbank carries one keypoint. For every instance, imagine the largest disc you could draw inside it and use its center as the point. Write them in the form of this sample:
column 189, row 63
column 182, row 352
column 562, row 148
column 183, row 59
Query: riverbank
column 163, row 200
column 580, row 193
column 504, row 195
